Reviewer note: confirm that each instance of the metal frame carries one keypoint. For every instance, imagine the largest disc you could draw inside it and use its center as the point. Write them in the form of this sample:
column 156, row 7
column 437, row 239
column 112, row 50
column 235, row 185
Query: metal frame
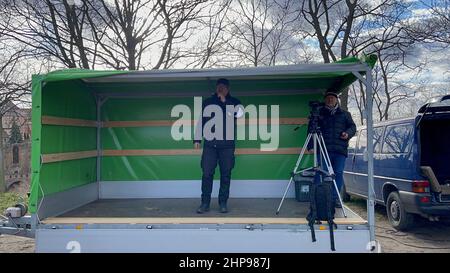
column 367, row 81
column 99, row 103
column 293, row 227
column 282, row 71
column 196, row 239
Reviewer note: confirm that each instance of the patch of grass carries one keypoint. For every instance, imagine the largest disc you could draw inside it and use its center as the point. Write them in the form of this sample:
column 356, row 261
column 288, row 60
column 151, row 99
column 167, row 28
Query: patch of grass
column 9, row 199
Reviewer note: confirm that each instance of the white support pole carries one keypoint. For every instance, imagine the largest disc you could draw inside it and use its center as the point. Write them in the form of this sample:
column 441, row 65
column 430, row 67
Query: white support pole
column 369, row 124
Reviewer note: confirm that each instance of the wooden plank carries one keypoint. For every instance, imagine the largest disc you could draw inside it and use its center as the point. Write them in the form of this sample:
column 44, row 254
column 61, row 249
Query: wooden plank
column 50, row 120
column 145, row 123
column 151, row 152
column 280, row 121
column 279, row 151
column 151, row 123
column 57, row 157
column 239, row 151
column 192, row 220
column 49, row 158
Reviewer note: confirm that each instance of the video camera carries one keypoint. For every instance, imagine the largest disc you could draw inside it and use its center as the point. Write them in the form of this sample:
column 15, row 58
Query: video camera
column 314, row 116
column 315, row 107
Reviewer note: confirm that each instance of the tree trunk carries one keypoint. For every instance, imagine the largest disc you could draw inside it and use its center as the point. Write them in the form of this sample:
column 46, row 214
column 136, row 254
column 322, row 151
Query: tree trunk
column 2, row 169
column 344, row 99
column 350, row 18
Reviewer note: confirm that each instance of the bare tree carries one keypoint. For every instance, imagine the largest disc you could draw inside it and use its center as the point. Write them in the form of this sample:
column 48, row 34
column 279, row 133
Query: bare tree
column 260, row 29
column 388, row 38
column 119, row 34
column 178, row 18
column 50, row 29
column 286, row 27
column 210, row 45
column 388, row 90
column 345, row 27
column 434, row 28
column 127, row 30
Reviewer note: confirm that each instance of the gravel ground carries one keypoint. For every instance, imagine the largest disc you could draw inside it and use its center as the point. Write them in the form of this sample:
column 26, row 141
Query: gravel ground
column 15, row 244
column 425, row 237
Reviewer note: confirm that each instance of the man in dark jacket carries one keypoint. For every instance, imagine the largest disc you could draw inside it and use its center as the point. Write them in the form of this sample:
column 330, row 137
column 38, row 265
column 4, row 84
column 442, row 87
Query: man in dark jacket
column 337, row 128
column 217, row 148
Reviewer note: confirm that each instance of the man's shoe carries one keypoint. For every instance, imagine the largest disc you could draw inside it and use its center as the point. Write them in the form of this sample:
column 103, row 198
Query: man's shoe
column 223, row 208
column 203, row 208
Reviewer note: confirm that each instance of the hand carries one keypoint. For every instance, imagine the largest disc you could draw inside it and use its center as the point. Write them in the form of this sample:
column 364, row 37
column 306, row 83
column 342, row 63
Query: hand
column 222, row 97
column 344, row 136
column 310, row 151
column 196, row 145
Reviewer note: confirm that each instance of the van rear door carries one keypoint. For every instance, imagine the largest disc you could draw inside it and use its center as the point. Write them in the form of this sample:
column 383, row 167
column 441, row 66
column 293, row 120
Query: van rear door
column 434, row 131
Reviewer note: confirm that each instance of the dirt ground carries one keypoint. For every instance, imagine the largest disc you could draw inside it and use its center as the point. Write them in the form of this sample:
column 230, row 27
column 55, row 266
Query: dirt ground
column 15, row 244
column 425, row 237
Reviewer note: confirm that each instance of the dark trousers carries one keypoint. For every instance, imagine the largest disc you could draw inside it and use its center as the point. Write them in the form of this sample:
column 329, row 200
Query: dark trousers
column 210, row 157
column 338, row 164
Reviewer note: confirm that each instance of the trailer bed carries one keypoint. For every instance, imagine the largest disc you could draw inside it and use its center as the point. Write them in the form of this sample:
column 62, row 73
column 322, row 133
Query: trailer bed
column 183, row 210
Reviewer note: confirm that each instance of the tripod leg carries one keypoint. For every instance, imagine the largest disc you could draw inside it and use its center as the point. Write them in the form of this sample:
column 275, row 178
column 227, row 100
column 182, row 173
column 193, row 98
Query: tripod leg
column 284, row 195
column 327, row 160
column 308, row 138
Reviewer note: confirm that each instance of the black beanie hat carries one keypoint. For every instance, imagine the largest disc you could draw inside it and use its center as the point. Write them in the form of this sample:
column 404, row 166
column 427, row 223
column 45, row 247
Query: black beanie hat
column 223, row 81
column 330, row 94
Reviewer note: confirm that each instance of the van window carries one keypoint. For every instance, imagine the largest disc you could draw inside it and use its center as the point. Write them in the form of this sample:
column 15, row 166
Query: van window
column 377, row 136
column 398, row 139
column 362, row 142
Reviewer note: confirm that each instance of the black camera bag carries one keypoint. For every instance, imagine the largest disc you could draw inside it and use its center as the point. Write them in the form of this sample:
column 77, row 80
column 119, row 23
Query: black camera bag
column 322, row 208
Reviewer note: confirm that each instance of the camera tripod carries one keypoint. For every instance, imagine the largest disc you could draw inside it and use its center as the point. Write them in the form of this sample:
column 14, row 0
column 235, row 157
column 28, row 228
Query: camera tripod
column 319, row 142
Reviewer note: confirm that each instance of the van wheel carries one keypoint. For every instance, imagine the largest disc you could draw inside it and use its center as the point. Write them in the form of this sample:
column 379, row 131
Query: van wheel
column 344, row 195
column 398, row 217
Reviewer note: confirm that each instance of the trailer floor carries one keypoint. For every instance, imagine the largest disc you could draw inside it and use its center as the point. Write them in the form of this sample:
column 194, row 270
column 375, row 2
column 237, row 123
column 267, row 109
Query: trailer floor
column 241, row 210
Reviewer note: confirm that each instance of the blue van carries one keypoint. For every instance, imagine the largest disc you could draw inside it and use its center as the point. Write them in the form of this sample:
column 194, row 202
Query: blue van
column 411, row 165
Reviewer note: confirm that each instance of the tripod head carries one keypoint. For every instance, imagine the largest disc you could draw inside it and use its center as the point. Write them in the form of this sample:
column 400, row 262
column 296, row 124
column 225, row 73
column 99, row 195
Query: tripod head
column 314, row 116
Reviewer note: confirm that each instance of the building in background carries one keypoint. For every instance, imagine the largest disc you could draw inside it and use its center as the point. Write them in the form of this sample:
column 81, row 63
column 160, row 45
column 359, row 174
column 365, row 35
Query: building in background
column 16, row 134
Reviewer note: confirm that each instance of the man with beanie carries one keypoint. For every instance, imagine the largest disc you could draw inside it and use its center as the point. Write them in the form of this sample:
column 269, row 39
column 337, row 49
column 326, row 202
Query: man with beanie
column 337, row 129
column 217, row 149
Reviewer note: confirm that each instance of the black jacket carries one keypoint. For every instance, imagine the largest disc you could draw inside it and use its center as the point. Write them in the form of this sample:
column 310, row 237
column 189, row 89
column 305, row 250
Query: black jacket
column 215, row 100
column 332, row 127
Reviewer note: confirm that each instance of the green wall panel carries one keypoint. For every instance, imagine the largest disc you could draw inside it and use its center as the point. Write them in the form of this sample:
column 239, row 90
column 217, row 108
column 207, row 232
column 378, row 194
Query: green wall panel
column 63, row 139
column 138, row 109
column 70, row 99
column 61, row 176
column 123, row 138
column 187, row 167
